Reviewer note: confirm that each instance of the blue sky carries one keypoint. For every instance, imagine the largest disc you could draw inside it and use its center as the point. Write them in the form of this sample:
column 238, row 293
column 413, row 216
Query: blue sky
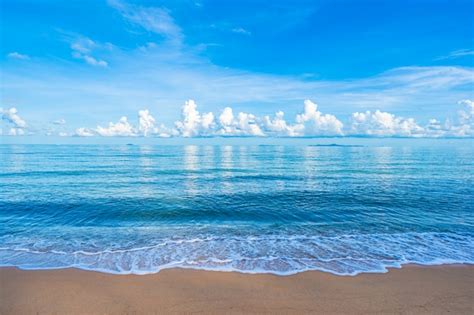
column 285, row 68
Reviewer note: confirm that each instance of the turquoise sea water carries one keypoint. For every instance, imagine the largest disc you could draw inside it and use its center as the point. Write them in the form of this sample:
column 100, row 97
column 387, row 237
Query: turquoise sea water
column 269, row 209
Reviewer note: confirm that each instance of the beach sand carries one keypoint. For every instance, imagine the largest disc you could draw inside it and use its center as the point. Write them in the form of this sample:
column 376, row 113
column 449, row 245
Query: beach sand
column 410, row 290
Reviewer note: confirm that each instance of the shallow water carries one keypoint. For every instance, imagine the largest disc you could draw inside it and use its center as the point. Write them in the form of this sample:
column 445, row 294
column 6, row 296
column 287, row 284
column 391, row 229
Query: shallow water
column 272, row 209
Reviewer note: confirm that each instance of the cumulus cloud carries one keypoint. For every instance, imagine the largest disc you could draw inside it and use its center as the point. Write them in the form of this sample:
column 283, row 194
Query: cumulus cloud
column 466, row 116
column 461, row 126
column 310, row 122
column 122, row 128
column 11, row 115
column 17, row 124
column 247, row 125
column 313, row 123
column 147, row 125
column 192, row 123
column 17, row 55
column 84, row 132
column 383, row 124
column 146, row 122
column 277, row 126
column 226, row 117
column 436, row 128
column 465, row 125
column 243, row 125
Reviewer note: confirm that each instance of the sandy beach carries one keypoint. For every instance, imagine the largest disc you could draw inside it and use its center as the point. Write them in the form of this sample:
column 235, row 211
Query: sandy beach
column 410, row 290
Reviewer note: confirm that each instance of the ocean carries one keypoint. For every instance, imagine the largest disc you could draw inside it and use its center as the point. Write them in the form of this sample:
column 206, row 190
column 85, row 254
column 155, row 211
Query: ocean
column 281, row 209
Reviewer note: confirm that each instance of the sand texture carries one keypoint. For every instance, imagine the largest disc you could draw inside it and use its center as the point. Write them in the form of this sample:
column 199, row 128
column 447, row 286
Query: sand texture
column 410, row 290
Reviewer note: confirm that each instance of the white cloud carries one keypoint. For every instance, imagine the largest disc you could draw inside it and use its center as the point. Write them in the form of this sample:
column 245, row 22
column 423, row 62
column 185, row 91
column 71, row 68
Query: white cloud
column 226, row 117
column 60, row 121
column 146, row 122
column 417, row 79
column 147, row 126
column 17, row 55
column 310, row 122
column 84, row 132
column 241, row 30
column 122, row 128
column 153, row 19
column 83, row 47
column 17, row 125
column 462, row 126
column 278, row 126
column 465, row 126
column 457, row 54
column 94, row 62
column 313, row 123
column 247, row 125
column 193, row 123
column 11, row 115
column 90, row 60
column 383, row 124
column 243, row 125
column 226, row 121
column 436, row 129
column 466, row 116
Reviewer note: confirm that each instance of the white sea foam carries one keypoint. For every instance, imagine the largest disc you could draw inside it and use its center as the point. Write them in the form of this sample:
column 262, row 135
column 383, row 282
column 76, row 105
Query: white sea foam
column 341, row 255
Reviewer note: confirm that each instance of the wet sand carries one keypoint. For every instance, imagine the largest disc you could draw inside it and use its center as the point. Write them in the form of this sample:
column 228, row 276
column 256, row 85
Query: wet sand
column 410, row 290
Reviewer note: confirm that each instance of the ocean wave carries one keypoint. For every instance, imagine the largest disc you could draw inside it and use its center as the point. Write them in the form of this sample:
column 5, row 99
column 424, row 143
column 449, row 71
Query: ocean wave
column 345, row 255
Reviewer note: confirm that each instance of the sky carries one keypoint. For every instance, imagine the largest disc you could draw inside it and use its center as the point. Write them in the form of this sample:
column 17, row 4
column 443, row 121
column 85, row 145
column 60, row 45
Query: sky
column 201, row 68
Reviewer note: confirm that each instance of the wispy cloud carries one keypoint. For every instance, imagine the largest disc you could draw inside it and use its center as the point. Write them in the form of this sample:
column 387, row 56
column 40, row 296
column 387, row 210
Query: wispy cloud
column 83, row 47
column 162, row 76
column 154, row 19
column 241, row 30
column 17, row 55
column 457, row 54
column 93, row 61
column 61, row 121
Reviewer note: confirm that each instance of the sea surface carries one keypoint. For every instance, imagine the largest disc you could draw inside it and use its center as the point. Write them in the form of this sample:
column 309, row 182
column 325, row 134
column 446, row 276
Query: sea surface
column 277, row 209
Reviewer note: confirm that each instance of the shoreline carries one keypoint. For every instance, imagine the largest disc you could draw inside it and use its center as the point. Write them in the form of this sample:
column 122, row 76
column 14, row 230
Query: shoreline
column 267, row 273
column 411, row 289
